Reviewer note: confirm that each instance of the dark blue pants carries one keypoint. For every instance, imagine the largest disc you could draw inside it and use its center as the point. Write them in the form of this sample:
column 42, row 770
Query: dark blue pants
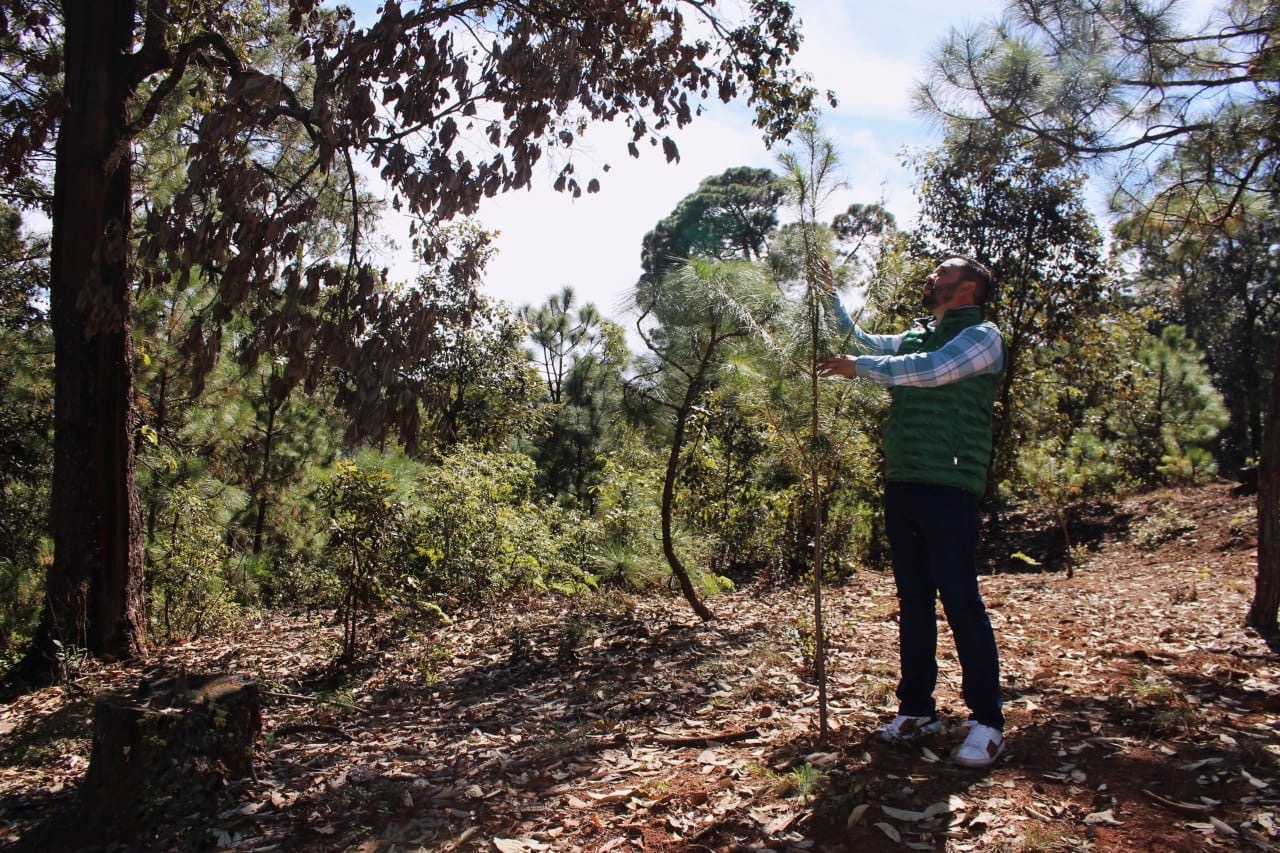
column 933, row 535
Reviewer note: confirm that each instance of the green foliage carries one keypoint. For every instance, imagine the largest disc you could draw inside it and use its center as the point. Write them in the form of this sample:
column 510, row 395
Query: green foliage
column 730, row 215
column 480, row 390
column 26, row 423
column 238, row 430
column 1221, row 285
column 732, row 491
column 744, row 486
column 581, row 357
column 1097, row 78
column 1062, row 473
column 190, row 593
column 803, row 782
column 1161, row 526
column 366, row 542
column 697, row 318
column 1176, row 412
column 21, row 593
column 626, row 500
column 477, row 530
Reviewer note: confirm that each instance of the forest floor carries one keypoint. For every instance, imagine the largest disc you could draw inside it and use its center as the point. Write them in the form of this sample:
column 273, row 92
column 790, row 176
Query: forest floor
column 1141, row 716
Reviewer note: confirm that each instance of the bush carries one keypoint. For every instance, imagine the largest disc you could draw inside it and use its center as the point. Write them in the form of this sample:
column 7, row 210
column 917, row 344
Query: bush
column 187, row 561
column 366, row 543
column 21, row 594
column 1160, row 527
column 478, row 530
column 628, row 547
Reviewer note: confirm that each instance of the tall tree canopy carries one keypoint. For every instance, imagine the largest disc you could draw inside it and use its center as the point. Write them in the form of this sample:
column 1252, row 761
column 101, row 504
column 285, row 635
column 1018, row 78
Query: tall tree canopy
column 1103, row 77
column 728, row 216
column 452, row 103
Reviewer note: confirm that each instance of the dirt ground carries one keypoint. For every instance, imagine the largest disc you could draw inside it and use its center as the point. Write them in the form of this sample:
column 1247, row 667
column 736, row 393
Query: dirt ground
column 1141, row 716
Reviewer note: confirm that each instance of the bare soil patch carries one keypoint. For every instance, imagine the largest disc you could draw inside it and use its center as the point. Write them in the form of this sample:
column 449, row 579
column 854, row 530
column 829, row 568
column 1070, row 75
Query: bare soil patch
column 1141, row 716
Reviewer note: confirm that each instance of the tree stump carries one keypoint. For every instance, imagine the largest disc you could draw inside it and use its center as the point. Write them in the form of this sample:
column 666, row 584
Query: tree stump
column 159, row 758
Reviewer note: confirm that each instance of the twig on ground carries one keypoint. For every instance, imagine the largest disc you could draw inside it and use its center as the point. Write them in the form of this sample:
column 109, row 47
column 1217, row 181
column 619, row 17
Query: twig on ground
column 1184, row 808
column 706, row 740
column 301, row 698
column 291, row 728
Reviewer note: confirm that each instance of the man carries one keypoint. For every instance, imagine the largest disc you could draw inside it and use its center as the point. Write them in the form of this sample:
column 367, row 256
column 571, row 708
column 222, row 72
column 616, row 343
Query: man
column 942, row 377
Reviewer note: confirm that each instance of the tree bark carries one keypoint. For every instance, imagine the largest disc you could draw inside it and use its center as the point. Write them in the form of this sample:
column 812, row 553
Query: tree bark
column 160, row 765
column 264, row 481
column 94, row 593
column 1266, row 598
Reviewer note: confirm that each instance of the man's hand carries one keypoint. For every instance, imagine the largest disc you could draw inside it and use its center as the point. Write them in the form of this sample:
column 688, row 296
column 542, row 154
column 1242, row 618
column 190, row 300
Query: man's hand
column 838, row 365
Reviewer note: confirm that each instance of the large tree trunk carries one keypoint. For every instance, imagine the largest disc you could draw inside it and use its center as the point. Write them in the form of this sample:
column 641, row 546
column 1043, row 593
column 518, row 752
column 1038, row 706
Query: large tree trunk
column 94, row 594
column 1266, row 596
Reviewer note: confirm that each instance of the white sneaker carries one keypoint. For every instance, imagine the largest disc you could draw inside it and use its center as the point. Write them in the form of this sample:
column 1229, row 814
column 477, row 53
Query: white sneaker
column 981, row 747
column 903, row 729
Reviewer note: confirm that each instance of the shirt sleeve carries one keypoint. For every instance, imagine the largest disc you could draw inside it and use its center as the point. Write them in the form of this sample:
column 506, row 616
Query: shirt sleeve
column 863, row 341
column 977, row 350
column 876, row 345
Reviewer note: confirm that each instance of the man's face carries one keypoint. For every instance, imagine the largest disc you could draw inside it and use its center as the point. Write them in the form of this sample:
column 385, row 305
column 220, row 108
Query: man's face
column 940, row 288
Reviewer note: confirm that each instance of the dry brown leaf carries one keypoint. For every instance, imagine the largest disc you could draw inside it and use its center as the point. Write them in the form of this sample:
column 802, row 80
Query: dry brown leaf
column 1222, row 826
column 950, row 805
column 889, row 830
column 780, row 823
column 855, row 816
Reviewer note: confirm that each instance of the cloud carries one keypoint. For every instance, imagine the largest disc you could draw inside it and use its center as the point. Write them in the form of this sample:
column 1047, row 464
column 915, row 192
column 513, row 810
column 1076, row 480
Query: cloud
column 870, row 54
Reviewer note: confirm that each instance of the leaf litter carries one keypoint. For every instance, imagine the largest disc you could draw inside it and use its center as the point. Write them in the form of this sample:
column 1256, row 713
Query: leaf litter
column 1139, row 715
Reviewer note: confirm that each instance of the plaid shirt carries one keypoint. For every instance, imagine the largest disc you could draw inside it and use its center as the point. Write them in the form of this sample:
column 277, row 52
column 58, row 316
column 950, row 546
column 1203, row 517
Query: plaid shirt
column 973, row 352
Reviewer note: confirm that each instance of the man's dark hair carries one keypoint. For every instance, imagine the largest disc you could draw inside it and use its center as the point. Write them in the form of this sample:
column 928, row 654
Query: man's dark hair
column 971, row 270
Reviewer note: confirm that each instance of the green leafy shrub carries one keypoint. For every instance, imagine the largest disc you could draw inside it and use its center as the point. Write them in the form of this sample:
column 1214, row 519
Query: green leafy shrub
column 628, row 546
column 366, row 542
column 21, row 594
column 187, row 562
column 1165, row 432
column 478, row 529
column 1161, row 526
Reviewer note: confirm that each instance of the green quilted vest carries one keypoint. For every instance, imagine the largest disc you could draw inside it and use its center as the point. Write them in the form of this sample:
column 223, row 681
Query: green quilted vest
column 941, row 435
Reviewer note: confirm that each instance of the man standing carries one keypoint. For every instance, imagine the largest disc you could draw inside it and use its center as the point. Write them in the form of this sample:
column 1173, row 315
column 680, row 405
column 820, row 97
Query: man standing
column 942, row 377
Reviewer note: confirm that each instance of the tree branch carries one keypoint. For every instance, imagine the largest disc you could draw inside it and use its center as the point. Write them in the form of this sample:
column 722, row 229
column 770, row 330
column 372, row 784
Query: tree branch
column 178, row 67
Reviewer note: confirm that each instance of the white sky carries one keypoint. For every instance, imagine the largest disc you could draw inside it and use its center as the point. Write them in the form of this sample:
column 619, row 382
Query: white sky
column 867, row 52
